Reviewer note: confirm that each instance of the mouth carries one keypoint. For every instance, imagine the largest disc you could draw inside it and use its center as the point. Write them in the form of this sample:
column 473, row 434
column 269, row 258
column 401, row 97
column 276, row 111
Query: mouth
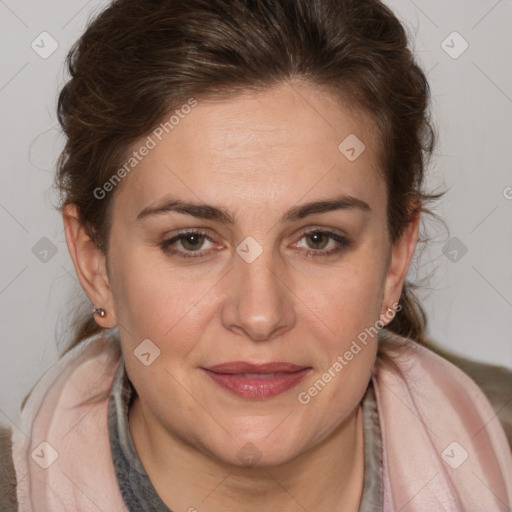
column 257, row 381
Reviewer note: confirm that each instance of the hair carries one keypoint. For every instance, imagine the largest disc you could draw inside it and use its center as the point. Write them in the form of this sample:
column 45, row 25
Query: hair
column 138, row 60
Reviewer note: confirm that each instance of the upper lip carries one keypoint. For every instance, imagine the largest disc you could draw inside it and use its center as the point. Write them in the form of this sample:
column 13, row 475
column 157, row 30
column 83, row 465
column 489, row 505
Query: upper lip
column 244, row 367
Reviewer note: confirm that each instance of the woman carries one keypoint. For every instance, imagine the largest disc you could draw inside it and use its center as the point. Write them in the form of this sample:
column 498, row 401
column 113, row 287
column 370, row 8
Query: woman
column 242, row 187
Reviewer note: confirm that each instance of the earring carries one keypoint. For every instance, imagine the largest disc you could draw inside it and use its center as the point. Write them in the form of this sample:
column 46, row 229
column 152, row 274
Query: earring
column 99, row 311
column 387, row 316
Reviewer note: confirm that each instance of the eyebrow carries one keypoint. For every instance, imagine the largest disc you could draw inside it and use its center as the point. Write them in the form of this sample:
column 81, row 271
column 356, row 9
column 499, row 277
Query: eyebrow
column 210, row 212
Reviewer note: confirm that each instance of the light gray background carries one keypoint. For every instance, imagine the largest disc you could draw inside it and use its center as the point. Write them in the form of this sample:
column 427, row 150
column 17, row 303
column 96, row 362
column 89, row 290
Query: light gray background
column 468, row 296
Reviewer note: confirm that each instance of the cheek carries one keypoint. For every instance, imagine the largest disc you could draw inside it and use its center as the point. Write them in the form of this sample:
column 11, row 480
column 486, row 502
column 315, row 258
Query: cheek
column 350, row 307
column 350, row 299
column 156, row 301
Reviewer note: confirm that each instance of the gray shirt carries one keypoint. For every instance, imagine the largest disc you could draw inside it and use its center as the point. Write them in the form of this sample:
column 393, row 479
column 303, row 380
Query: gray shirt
column 138, row 492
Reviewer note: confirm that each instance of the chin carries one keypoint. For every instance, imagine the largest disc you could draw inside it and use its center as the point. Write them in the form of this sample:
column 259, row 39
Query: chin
column 252, row 452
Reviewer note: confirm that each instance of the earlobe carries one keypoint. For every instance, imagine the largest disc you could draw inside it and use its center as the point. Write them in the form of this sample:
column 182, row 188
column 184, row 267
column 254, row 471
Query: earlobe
column 90, row 266
column 402, row 252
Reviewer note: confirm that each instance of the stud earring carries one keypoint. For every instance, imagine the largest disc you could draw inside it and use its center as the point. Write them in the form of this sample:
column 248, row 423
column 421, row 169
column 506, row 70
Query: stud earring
column 99, row 311
column 386, row 318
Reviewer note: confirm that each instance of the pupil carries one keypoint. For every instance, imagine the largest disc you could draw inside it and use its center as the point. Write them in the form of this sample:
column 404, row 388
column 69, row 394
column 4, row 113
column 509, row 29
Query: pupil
column 194, row 238
column 317, row 237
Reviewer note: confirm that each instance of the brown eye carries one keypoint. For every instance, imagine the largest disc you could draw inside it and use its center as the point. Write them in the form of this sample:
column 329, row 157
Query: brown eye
column 192, row 243
column 319, row 239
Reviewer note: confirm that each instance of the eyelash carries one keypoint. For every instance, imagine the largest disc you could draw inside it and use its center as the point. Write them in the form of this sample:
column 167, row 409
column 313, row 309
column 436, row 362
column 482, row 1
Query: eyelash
column 343, row 242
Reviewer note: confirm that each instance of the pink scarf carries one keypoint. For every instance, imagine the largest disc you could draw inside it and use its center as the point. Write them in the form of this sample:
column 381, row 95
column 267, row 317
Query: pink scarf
column 443, row 446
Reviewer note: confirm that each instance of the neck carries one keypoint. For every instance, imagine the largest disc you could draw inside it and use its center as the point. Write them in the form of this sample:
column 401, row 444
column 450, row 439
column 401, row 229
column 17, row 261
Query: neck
column 328, row 476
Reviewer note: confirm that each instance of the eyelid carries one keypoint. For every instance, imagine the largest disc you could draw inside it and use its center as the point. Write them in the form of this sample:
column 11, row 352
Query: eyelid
column 342, row 241
column 166, row 244
column 320, row 229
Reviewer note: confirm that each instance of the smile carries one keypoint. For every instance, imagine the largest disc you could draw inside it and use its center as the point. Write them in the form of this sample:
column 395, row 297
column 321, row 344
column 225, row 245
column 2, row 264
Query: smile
column 257, row 385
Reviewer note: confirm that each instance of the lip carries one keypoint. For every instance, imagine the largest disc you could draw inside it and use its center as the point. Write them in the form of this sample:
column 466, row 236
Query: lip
column 245, row 367
column 231, row 376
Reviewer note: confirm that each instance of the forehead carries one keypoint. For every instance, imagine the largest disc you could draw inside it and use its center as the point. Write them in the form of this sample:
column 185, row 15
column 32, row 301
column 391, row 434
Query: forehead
column 277, row 143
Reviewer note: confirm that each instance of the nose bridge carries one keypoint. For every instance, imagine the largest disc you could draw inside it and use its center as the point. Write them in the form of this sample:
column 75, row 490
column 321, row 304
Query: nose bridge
column 259, row 304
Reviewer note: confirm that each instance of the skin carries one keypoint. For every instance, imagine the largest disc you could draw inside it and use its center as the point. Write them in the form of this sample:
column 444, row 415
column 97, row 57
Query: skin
column 257, row 155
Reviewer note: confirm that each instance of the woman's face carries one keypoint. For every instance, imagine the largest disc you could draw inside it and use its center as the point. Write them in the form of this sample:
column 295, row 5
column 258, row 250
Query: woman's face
column 256, row 174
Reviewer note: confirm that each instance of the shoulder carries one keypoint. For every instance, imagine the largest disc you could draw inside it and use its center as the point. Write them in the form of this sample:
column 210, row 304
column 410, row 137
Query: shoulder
column 94, row 360
column 494, row 380
column 8, row 500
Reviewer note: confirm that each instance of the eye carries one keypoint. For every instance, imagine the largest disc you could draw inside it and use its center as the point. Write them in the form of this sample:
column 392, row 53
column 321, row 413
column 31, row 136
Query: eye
column 191, row 241
column 320, row 240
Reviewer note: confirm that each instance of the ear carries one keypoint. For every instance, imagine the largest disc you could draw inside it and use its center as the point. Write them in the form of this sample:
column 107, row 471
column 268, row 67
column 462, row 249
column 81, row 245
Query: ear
column 90, row 266
column 400, row 258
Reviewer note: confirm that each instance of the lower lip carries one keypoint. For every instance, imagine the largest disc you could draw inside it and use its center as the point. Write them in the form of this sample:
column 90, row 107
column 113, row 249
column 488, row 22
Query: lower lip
column 258, row 387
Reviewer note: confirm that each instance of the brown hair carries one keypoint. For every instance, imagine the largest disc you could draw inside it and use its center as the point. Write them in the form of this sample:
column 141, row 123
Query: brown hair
column 140, row 59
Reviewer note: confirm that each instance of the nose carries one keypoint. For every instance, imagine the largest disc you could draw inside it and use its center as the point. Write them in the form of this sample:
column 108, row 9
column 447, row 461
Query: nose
column 259, row 303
